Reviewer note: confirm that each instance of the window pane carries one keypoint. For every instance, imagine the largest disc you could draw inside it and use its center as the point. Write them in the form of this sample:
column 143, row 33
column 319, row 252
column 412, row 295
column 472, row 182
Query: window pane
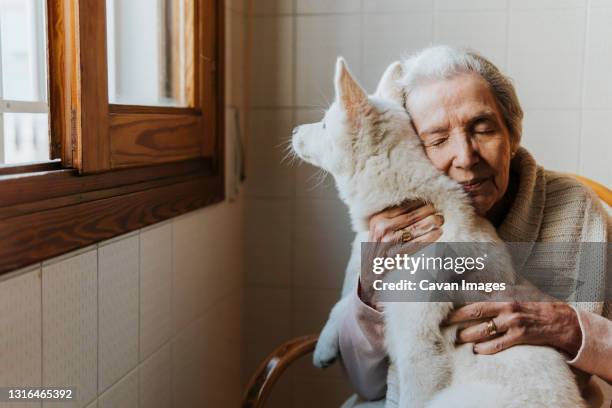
column 146, row 61
column 22, row 31
column 26, row 137
column 24, row 118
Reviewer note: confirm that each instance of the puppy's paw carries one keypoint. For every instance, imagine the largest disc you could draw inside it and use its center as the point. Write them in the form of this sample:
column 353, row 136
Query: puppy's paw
column 324, row 355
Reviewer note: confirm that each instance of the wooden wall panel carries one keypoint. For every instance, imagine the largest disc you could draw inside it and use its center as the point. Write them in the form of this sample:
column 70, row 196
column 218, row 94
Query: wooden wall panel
column 139, row 139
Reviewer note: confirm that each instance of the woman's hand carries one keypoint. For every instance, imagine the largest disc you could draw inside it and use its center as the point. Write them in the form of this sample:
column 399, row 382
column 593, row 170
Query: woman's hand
column 535, row 323
column 410, row 223
column 415, row 220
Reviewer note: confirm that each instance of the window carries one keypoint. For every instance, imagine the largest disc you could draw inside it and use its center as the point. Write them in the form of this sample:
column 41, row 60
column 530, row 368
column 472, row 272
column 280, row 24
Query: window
column 147, row 62
column 126, row 126
column 24, row 112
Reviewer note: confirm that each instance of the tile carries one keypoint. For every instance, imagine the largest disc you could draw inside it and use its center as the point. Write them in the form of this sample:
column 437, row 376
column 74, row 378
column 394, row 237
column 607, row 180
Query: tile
column 267, row 243
column 545, row 57
column 155, row 379
column 18, row 272
column 311, row 181
column 237, row 5
column 596, row 137
column 466, row 5
column 598, row 59
column 311, row 309
column 266, row 325
column 272, row 61
column 118, row 238
column 223, row 239
column 466, row 30
column 599, row 3
column 20, row 332
column 69, row 255
column 206, row 267
column 156, row 325
column 156, row 225
column 70, row 326
column 118, row 310
column 93, row 404
column 550, row 28
column 123, row 394
column 267, row 7
column 268, row 173
column 391, row 37
column 323, row 238
column 553, row 137
column 326, row 6
column 320, row 40
column 547, row 4
column 188, row 365
column 394, row 6
column 321, row 392
column 222, row 333
column 188, row 262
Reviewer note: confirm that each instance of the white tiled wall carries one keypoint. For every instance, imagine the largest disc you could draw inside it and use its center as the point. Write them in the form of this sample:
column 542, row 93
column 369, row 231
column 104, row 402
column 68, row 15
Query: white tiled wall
column 297, row 232
column 272, row 75
column 21, row 330
column 70, row 324
column 98, row 307
column 122, row 394
column 319, row 39
column 151, row 319
column 156, row 378
column 118, row 309
column 156, row 320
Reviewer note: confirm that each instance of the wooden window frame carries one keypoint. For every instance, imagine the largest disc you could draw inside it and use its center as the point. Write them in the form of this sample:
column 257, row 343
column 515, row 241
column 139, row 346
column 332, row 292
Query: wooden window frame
column 120, row 167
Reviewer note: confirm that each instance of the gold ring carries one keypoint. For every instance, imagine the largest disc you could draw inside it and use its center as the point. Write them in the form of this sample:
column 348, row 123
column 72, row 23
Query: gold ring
column 406, row 235
column 491, row 328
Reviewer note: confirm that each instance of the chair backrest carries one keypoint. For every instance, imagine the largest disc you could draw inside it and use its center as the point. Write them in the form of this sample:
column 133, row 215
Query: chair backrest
column 603, row 192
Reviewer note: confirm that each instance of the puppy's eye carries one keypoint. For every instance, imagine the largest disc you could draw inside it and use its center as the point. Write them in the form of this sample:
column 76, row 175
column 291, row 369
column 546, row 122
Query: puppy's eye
column 323, row 125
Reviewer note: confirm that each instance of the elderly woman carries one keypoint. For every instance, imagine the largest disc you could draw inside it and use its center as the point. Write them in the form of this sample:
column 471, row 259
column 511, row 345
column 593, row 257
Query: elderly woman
column 468, row 117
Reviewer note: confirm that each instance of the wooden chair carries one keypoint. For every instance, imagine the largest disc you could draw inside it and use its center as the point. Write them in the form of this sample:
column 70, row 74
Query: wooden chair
column 260, row 386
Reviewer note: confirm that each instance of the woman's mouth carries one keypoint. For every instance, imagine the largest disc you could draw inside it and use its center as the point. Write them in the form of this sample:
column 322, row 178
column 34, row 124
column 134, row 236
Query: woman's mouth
column 471, row 186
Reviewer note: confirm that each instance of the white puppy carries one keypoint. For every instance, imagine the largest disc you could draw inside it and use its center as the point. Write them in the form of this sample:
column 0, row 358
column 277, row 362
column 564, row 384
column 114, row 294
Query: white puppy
column 369, row 146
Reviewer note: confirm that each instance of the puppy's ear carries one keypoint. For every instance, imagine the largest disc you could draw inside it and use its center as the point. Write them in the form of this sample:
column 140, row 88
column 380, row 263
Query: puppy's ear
column 350, row 94
column 389, row 87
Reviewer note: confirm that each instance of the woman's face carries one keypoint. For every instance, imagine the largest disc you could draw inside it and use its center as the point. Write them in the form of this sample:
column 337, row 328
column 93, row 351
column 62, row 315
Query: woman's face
column 464, row 135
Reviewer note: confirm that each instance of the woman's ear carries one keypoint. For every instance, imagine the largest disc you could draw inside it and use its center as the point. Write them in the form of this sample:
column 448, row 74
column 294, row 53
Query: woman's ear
column 349, row 93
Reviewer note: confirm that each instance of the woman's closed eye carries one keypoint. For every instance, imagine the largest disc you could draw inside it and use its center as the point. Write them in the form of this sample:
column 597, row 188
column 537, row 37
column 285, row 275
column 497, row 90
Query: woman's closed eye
column 484, row 127
column 483, row 131
column 434, row 142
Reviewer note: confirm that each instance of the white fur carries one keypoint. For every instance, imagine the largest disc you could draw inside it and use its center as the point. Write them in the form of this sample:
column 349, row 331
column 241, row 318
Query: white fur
column 369, row 146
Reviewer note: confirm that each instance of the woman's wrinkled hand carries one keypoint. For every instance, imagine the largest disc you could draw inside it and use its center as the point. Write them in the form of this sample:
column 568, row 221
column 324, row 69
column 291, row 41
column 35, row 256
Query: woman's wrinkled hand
column 418, row 221
column 413, row 224
column 534, row 323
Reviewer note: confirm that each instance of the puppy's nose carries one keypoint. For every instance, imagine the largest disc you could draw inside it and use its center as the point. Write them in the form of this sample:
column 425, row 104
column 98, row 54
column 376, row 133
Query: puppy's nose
column 295, row 130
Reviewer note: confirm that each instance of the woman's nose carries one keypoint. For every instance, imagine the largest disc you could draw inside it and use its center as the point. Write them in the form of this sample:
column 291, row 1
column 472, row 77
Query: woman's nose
column 466, row 152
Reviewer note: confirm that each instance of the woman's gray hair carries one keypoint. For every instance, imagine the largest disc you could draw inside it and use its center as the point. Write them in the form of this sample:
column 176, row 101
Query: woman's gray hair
column 442, row 62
